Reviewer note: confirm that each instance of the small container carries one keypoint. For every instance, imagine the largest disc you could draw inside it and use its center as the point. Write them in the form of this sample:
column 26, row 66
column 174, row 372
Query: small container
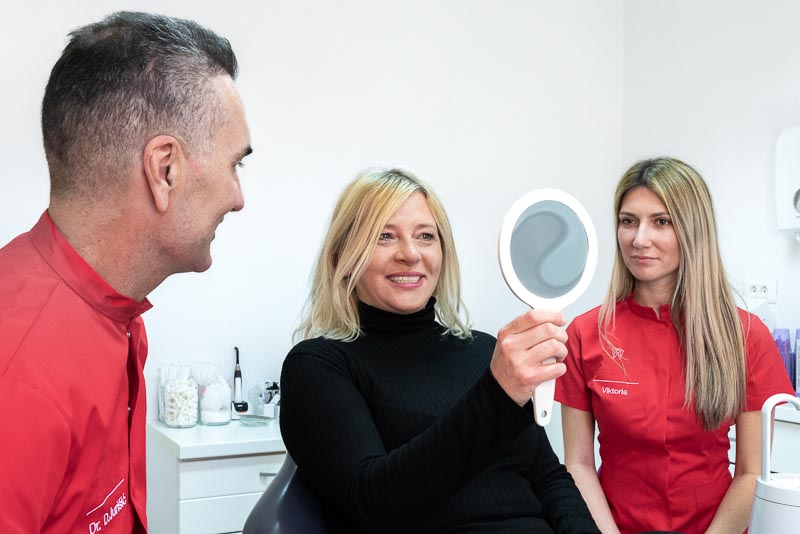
column 272, row 407
column 255, row 398
column 247, row 419
column 214, row 395
column 215, row 398
column 783, row 342
column 177, row 396
column 180, row 403
column 796, row 376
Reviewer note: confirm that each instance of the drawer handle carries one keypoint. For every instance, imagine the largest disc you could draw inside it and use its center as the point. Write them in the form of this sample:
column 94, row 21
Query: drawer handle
column 265, row 474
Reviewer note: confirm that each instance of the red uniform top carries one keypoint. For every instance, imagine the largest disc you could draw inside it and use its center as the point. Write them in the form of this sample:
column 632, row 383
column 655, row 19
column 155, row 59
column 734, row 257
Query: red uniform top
column 72, row 351
column 660, row 470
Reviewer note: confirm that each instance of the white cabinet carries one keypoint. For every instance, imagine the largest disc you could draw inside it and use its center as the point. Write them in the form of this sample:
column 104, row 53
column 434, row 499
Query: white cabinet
column 785, row 448
column 785, row 441
column 206, row 479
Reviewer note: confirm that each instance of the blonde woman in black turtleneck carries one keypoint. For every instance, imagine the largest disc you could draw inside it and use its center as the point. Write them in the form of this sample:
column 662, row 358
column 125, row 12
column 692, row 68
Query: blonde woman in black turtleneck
column 401, row 417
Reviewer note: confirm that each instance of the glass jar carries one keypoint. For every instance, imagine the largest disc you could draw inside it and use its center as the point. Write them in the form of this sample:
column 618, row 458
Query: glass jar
column 180, row 403
column 177, row 396
column 215, row 402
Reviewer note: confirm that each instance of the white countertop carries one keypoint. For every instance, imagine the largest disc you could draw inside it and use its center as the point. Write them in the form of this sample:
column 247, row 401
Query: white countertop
column 233, row 439
column 788, row 413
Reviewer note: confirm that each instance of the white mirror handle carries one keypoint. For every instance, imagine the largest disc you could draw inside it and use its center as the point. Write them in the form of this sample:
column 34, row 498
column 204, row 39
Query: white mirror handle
column 543, row 399
column 766, row 428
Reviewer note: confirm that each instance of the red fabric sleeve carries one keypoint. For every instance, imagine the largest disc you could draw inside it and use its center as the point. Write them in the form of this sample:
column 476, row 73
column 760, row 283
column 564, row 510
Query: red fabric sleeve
column 571, row 387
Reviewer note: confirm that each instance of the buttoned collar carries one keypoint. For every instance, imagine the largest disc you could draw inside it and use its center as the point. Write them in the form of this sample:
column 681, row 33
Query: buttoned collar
column 649, row 313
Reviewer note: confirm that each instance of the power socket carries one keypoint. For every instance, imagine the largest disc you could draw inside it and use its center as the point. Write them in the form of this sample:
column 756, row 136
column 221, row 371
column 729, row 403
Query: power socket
column 765, row 290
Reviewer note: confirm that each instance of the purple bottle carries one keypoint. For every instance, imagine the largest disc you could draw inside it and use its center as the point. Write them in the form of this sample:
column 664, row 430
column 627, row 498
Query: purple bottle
column 784, row 344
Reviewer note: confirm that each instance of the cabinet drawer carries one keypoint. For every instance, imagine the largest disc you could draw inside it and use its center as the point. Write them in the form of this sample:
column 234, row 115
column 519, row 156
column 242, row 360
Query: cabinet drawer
column 216, row 514
column 227, row 476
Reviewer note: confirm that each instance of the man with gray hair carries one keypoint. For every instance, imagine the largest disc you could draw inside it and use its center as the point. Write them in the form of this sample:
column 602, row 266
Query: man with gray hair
column 143, row 132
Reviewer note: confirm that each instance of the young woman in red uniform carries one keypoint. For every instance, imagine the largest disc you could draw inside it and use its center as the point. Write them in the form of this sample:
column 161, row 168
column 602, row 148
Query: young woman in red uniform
column 664, row 367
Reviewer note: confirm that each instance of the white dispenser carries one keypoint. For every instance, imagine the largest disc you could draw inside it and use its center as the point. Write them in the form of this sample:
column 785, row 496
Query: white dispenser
column 787, row 179
column 776, row 508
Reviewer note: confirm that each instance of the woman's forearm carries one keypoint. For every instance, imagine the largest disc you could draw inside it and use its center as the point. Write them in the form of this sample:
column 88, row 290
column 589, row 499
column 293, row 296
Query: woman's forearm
column 589, row 485
column 733, row 514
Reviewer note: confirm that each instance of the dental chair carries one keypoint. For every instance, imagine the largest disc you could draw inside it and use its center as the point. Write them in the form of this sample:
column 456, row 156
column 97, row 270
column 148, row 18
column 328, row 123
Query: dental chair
column 288, row 506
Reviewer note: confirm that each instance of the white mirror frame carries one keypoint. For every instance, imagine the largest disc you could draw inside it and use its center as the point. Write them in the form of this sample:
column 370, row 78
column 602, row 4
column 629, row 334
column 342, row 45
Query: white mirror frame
column 544, row 392
column 504, row 249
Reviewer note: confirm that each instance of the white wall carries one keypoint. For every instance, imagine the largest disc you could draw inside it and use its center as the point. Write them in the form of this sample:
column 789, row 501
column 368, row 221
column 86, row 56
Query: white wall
column 713, row 83
column 485, row 100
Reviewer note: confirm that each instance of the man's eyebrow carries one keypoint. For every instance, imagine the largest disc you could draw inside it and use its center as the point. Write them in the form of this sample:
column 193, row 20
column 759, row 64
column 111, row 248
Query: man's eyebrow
column 244, row 153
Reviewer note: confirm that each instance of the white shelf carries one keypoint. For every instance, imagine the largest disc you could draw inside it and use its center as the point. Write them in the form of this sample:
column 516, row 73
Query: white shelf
column 787, row 413
column 203, row 441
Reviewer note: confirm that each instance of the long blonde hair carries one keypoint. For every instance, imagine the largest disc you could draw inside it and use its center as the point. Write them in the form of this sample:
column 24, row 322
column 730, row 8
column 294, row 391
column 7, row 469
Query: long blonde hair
column 703, row 308
column 361, row 212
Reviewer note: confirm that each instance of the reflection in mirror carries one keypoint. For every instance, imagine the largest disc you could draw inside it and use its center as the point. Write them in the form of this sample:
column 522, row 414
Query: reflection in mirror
column 549, row 248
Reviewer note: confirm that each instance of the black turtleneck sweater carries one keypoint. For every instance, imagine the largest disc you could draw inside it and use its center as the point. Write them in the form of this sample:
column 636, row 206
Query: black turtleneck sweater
column 405, row 429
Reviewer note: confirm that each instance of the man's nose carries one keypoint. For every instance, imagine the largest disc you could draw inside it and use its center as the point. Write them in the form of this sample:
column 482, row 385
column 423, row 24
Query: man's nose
column 239, row 205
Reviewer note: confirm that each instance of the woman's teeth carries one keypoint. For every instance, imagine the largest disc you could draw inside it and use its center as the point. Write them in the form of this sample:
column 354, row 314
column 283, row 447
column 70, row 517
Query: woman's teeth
column 405, row 279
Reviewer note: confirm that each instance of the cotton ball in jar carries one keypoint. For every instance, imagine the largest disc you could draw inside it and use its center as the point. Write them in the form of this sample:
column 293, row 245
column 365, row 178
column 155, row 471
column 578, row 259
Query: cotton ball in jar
column 180, row 403
column 215, row 402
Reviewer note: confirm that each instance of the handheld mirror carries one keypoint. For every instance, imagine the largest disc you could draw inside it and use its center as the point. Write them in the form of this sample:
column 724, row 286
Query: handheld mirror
column 548, row 254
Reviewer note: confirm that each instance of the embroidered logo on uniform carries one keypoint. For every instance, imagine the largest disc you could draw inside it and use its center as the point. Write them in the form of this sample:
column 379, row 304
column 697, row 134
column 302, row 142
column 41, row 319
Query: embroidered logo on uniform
column 109, row 511
column 618, row 357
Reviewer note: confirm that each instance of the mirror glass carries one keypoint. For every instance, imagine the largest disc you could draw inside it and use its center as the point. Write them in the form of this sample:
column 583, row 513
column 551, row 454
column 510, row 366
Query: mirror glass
column 549, row 248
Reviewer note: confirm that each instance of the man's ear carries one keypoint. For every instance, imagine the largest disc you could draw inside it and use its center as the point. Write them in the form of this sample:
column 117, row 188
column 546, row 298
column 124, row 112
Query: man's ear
column 163, row 164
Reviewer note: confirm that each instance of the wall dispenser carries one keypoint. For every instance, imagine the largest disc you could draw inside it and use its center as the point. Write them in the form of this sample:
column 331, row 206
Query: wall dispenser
column 787, row 180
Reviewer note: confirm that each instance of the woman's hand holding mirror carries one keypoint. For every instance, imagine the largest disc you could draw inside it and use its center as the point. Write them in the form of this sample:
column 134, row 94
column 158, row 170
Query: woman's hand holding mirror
column 523, row 346
column 548, row 252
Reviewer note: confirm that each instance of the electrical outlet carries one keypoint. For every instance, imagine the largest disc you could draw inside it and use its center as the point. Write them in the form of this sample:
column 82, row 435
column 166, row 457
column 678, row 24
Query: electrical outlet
column 766, row 290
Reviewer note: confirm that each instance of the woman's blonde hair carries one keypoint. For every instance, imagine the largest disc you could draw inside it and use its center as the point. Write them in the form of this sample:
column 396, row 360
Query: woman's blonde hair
column 703, row 309
column 362, row 211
